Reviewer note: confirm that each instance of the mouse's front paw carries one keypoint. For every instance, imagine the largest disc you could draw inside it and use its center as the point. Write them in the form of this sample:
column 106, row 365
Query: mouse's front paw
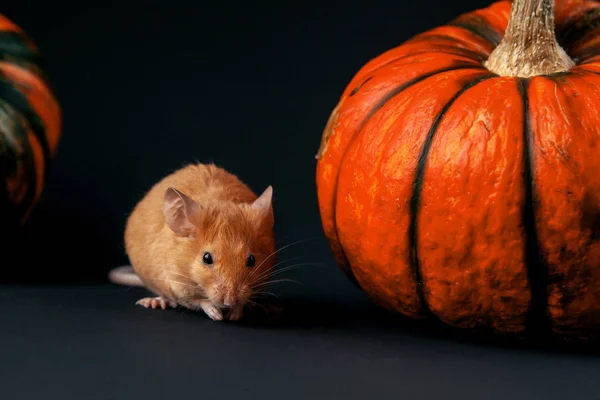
column 155, row 302
column 235, row 313
column 213, row 312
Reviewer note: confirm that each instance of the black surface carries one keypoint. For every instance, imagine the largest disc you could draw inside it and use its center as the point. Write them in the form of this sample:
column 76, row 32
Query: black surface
column 90, row 342
column 148, row 86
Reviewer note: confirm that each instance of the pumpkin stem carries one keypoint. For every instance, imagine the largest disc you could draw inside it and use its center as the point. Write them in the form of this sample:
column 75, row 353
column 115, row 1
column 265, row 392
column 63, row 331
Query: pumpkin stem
column 529, row 46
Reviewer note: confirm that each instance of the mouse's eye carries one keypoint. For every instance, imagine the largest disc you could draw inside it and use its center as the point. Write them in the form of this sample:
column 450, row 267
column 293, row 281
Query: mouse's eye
column 207, row 258
column 251, row 260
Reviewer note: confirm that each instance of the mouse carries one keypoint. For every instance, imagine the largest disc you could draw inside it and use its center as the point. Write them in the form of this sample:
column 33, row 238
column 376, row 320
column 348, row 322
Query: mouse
column 201, row 239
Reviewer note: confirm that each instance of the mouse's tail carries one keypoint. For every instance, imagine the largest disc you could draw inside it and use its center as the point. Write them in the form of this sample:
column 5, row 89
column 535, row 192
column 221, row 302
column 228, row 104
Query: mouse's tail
column 125, row 275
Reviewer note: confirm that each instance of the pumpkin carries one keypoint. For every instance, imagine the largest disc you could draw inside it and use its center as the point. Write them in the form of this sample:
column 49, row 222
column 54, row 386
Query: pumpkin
column 458, row 176
column 30, row 125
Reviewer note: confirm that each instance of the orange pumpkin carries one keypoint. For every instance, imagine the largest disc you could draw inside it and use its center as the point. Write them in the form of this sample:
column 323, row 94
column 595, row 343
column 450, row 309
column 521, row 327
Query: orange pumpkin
column 30, row 125
column 458, row 176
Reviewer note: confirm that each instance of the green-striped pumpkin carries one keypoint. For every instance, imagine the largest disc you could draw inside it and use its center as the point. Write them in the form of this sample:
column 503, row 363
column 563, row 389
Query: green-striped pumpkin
column 30, row 125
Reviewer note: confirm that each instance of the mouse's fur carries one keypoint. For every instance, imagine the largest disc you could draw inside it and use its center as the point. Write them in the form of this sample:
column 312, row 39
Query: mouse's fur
column 197, row 209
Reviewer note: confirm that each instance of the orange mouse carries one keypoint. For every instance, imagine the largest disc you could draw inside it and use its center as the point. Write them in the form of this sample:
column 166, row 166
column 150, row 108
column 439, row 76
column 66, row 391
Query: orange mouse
column 200, row 239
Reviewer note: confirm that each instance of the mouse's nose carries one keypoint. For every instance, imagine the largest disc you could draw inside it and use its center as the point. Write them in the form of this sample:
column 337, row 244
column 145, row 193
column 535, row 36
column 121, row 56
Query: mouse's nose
column 229, row 300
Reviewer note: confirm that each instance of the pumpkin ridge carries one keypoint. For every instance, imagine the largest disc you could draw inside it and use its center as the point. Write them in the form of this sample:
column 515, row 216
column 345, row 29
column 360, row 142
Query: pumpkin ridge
column 432, row 37
column 537, row 270
column 408, row 84
column 418, row 186
column 356, row 89
column 13, row 45
column 579, row 28
column 583, row 57
column 29, row 60
column 476, row 58
column 23, row 52
column 26, row 157
column 25, row 65
column 454, row 51
column 19, row 102
column 434, row 48
column 372, row 112
column 477, row 26
column 590, row 71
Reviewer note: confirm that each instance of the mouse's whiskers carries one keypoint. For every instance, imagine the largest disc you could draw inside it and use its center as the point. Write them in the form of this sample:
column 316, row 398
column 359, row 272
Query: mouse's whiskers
column 274, row 282
column 266, row 272
column 173, row 270
column 285, row 247
column 251, row 303
column 261, row 276
column 275, row 272
column 173, row 281
column 260, row 294
column 180, row 274
column 297, row 266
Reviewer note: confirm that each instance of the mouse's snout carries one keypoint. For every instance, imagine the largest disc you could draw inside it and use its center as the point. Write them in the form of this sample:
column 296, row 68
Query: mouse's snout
column 229, row 300
column 229, row 294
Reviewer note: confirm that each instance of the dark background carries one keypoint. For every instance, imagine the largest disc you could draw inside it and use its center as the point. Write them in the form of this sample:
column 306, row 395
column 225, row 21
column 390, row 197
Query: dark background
column 148, row 86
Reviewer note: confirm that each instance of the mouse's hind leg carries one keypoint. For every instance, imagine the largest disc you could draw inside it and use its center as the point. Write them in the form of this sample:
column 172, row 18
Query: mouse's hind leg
column 155, row 302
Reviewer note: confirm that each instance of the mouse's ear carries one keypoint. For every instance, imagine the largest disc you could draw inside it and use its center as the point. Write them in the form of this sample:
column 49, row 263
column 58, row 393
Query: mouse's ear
column 263, row 203
column 179, row 210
